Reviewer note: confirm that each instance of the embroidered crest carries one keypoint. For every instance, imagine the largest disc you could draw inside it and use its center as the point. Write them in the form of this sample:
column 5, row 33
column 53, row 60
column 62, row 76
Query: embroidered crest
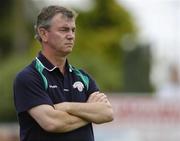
column 79, row 85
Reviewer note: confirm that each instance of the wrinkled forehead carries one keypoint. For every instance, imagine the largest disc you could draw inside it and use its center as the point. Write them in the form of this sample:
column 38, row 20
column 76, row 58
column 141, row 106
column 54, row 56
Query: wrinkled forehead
column 63, row 18
column 60, row 20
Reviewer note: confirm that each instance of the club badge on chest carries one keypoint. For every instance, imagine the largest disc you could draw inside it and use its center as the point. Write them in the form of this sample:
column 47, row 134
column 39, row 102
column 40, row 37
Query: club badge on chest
column 78, row 85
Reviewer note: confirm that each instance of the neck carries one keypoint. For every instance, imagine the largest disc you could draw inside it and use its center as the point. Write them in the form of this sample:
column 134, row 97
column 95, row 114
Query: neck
column 56, row 59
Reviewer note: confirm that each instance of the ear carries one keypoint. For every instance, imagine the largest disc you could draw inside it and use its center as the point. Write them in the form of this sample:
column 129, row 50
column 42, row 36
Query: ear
column 43, row 33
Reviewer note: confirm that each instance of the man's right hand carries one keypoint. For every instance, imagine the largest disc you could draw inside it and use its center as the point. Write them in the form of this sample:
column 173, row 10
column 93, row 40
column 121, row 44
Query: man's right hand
column 97, row 97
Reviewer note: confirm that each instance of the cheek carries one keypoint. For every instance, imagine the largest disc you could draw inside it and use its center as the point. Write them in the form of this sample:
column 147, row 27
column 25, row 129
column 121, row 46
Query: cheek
column 57, row 39
column 55, row 35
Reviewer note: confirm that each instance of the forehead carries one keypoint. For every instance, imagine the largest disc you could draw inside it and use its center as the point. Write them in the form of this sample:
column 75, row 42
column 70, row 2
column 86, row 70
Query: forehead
column 61, row 20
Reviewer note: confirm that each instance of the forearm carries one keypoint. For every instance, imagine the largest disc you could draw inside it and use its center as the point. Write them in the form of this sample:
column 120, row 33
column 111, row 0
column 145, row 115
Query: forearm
column 93, row 112
column 69, row 122
column 53, row 120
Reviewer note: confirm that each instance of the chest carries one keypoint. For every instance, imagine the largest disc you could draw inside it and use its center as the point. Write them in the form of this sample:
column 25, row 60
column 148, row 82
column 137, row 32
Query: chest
column 67, row 88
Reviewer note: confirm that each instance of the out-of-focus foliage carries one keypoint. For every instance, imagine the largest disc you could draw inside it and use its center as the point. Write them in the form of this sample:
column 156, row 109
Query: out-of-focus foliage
column 8, row 71
column 136, row 69
column 6, row 28
column 13, row 52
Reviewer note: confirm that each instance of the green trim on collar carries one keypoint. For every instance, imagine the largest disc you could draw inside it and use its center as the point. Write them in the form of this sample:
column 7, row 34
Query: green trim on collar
column 83, row 77
column 40, row 67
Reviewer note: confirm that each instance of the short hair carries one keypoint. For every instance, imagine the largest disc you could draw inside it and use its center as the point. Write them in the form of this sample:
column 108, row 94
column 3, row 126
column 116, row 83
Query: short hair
column 47, row 13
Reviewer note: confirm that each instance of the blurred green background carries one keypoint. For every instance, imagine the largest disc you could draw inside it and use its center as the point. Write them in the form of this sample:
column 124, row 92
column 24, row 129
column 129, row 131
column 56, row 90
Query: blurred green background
column 107, row 47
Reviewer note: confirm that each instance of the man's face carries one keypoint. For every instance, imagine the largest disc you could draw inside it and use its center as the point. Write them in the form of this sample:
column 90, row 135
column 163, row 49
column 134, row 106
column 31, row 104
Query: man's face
column 61, row 34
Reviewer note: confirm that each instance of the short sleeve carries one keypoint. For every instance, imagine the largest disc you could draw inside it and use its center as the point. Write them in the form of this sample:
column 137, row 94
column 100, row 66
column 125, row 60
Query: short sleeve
column 29, row 91
column 93, row 87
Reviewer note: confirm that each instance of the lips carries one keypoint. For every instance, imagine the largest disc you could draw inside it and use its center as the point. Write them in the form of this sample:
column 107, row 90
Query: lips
column 68, row 43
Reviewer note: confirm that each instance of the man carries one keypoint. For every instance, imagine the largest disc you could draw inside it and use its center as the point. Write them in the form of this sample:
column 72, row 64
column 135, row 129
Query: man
column 54, row 100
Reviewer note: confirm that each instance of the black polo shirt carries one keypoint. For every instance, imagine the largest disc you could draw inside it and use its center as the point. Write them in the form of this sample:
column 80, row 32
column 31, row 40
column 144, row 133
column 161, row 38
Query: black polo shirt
column 42, row 83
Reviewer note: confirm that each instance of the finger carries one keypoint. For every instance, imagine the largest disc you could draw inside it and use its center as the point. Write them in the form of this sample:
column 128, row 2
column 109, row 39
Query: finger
column 95, row 97
column 103, row 98
column 100, row 97
column 92, row 96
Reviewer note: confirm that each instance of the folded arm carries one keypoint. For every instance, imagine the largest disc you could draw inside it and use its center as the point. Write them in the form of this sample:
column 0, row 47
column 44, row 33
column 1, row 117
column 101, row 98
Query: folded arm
column 68, row 116
column 97, row 109
column 53, row 120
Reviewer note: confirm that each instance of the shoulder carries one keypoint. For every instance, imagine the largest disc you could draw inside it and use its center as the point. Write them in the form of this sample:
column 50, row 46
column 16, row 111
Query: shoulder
column 81, row 73
column 84, row 72
column 87, row 74
column 86, row 79
column 78, row 71
column 26, row 74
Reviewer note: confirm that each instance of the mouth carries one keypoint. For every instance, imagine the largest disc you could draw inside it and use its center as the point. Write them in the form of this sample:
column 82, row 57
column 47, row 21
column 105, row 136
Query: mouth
column 70, row 44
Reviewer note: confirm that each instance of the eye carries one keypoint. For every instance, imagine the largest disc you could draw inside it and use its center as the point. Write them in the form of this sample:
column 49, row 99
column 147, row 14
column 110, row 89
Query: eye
column 67, row 29
column 64, row 29
column 74, row 29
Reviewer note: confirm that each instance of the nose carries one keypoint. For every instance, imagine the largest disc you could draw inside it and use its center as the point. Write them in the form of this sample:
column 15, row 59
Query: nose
column 70, row 35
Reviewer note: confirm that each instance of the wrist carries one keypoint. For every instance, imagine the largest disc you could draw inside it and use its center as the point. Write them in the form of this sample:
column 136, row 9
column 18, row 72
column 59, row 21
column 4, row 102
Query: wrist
column 68, row 106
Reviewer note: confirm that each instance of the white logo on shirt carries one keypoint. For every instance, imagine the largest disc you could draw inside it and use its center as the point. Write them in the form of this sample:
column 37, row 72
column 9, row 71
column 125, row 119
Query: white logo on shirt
column 79, row 85
column 53, row 86
column 66, row 90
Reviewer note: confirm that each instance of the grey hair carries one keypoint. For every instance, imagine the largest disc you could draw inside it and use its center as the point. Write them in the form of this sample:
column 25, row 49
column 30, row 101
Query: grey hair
column 47, row 13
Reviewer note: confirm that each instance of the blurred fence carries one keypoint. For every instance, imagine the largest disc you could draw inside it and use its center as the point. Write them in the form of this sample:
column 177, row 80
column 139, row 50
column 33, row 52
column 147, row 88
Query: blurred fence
column 141, row 118
column 137, row 118
column 9, row 132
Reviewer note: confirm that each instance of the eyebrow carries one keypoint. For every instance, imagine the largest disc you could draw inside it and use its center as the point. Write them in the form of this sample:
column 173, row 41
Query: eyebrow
column 65, row 27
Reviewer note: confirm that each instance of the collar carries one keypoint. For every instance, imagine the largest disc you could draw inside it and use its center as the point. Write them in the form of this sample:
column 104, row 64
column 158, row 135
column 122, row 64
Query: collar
column 48, row 65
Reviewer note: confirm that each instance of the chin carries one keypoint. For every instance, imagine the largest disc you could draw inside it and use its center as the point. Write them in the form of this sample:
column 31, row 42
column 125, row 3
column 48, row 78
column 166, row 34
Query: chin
column 69, row 48
column 68, row 51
